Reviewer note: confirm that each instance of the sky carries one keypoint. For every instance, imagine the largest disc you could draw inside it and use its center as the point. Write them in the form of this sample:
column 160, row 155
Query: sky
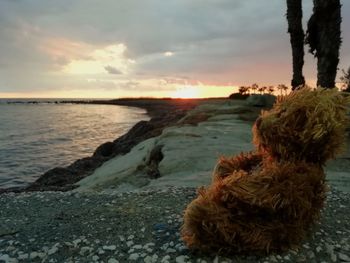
column 139, row 48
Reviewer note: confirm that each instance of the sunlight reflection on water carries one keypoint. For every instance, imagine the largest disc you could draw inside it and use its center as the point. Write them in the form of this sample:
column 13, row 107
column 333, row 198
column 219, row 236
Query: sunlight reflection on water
column 36, row 138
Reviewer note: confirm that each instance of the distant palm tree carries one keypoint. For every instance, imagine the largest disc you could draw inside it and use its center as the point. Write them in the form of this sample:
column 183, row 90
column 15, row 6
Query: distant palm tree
column 271, row 89
column 243, row 90
column 324, row 39
column 282, row 87
column 254, row 87
column 296, row 31
column 262, row 89
column 346, row 79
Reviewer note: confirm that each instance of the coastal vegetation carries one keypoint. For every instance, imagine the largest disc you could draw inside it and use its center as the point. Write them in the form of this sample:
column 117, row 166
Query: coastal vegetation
column 345, row 79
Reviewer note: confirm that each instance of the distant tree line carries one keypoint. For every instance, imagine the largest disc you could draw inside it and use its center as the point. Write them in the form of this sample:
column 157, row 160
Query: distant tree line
column 256, row 89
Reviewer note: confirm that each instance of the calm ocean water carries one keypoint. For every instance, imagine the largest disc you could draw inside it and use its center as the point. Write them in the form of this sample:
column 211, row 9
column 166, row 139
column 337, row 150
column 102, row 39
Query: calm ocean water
column 37, row 137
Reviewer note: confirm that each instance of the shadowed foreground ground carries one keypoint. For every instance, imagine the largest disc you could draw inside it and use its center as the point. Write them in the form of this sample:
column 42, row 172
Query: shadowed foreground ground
column 136, row 227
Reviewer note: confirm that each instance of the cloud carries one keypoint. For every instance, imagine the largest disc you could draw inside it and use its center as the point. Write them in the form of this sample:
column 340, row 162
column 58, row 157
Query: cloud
column 211, row 41
column 113, row 70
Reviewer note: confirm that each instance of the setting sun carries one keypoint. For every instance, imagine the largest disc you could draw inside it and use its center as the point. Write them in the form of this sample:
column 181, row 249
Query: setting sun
column 186, row 93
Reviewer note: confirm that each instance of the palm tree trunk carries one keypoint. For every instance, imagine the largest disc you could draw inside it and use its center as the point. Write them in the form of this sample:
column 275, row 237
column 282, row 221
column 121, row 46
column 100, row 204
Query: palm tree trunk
column 324, row 38
column 295, row 29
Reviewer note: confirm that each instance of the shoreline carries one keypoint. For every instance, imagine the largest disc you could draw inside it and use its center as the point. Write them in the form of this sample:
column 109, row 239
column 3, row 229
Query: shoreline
column 162, row 112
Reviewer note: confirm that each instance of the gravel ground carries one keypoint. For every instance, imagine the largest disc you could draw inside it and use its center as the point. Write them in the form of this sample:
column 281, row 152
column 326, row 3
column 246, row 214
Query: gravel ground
column 136, row 227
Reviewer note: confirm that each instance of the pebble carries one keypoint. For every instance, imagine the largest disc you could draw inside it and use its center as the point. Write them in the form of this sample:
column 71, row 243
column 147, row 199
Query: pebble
column 154, row 257
column 112, row 260
column 76, row 242
column 148, row 259
column 23, row 256
column 85, row 250
column 35, row 255
column 344, row 257
column 181, row 259
column 170, row 250
column 134, row 256
column 53, row 250
column 165, row 259
column 100, row 251
column 110, row 248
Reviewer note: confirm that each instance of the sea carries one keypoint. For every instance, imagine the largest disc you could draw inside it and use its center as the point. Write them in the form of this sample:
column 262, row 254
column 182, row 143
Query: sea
column 35, row 137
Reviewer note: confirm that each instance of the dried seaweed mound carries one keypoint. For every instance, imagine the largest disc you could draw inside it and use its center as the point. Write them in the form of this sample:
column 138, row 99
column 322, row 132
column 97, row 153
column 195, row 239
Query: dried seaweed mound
column 269, row 199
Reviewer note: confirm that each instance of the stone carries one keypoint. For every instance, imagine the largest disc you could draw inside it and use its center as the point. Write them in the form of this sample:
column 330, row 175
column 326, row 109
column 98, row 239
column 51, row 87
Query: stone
column 85, row 250
column 52, row 250
column 129, row 243
column 110, row 248
column 134, row 256
column 344, row 257
column 148, row 259
column 181, row 259
column 165, row 259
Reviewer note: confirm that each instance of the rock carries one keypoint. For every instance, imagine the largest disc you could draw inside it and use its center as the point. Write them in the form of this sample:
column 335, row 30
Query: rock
column 137, row 247
column 85, row 250
column 148, row 259
column 134, row 256
column 343, row 257
column 110, row 248
column 76, row 242
column 163, row 113
column 53, row 250
column 165, row 259
column 34, row 255
column 105, row 149
column 22, row 256
column 181, row 259
column 112, row 260
column 129, row 243
column 263, row 101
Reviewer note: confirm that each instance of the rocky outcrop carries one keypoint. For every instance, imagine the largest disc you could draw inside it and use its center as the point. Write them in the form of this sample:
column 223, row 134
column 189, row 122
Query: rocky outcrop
column 164, row 114
column 263, row 101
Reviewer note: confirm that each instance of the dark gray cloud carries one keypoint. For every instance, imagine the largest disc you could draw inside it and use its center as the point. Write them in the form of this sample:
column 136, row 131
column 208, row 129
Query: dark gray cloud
column 213, row 41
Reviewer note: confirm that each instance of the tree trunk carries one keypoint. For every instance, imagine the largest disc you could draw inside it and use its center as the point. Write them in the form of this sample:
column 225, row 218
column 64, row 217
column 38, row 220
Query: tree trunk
column 295, row 29
column 324, row 38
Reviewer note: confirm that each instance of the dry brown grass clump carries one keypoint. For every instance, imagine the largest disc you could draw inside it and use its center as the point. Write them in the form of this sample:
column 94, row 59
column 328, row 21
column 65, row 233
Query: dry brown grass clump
column 268, row 200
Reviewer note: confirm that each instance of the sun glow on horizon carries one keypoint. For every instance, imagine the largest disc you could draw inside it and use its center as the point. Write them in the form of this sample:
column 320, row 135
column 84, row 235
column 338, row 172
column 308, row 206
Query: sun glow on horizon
column 186, row 93
column 202, row 91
